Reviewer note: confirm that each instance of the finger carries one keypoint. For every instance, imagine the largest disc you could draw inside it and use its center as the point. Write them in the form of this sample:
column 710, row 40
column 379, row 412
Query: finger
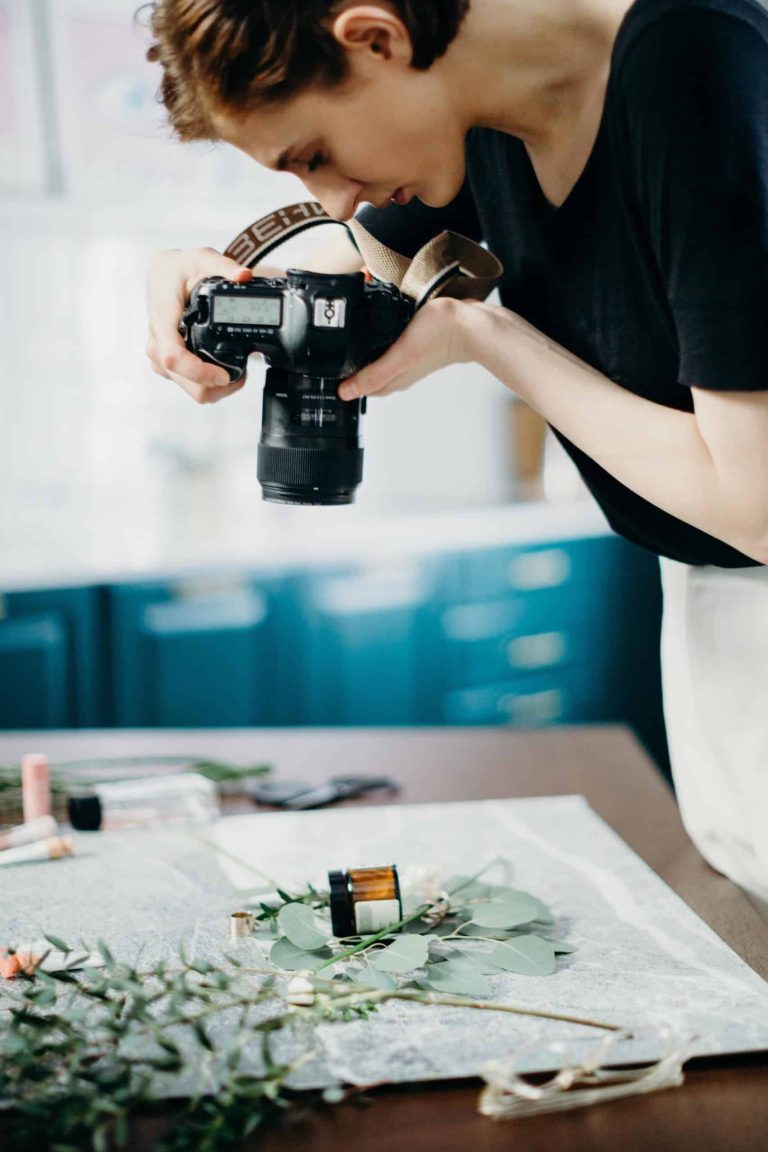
column 213, row 263
column 371, row 380
column 269, row 271
column 205, row 393
column 169, row 288
column 397, row 384
column 176, row 362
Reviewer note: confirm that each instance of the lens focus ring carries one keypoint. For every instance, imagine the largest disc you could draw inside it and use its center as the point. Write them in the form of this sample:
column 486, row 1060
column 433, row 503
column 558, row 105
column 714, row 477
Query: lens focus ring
column 310, row 467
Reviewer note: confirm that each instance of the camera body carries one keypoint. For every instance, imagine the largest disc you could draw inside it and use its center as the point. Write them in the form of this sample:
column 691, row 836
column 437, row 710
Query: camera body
column 314, row 330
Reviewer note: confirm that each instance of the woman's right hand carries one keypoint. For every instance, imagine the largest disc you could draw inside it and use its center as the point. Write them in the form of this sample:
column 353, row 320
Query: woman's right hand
column 172, row 276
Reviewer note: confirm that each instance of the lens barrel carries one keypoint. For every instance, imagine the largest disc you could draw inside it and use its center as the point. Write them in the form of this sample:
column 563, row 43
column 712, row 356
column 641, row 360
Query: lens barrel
column 310, row 450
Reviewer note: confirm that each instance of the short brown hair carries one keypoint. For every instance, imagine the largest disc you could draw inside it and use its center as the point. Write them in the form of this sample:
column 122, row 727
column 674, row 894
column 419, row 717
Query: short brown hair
column 227, row 56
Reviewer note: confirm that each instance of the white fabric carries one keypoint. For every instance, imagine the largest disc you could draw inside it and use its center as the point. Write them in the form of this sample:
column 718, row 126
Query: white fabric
column 714, row 655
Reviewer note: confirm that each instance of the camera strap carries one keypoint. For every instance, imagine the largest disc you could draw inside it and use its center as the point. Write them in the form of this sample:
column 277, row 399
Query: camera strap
column 448, row 265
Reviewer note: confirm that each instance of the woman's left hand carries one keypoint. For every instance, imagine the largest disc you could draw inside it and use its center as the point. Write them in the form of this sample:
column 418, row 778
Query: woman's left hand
column 435, row 338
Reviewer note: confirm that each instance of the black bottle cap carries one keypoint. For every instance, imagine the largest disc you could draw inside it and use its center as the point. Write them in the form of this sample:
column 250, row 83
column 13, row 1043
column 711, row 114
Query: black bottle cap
column 84, row 811
column 342, row 910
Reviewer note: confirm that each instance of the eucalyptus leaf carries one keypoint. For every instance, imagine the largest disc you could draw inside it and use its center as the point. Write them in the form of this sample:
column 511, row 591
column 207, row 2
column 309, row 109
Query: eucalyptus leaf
column 57, row 942
column 469, row 890
column 476, row 930
column 543, row 914
column 561, row 948
column 465, row 961
column 457, row 977
column 45, row 997
column 445, row 927
column 375, row 978
column 420, row 982
column 286, row 955
column 297, row 922
column 489, row 969
column 403, row 955
column 525, row 955
column 508, row 913
column 477, row 962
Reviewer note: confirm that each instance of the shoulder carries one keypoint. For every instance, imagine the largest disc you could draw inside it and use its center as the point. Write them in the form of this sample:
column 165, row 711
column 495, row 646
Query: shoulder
column 684, row 67
column 690, row 37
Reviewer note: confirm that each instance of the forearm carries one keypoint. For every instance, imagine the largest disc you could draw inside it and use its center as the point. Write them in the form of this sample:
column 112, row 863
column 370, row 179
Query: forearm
column 657, row 452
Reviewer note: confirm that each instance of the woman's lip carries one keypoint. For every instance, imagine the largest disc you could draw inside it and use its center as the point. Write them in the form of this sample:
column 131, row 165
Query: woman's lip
column 399, row 196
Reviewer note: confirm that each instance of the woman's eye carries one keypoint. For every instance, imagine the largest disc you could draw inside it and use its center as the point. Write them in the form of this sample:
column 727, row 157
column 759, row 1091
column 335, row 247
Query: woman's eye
column 315, row 162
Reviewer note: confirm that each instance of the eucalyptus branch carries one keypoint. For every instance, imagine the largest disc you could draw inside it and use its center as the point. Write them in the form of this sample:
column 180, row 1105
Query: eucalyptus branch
column 380, row 996
column 83, row 1050
column 397, row 925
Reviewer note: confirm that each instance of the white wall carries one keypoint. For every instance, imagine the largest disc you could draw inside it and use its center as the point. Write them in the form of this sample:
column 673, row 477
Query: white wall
column 91, row 186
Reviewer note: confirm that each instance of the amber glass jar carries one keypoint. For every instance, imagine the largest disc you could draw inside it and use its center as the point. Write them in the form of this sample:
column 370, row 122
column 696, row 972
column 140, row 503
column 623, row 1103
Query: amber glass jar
column 364, row 900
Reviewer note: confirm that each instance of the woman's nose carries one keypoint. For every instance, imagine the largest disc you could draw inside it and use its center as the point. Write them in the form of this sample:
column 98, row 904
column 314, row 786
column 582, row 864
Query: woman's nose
column 337, row 194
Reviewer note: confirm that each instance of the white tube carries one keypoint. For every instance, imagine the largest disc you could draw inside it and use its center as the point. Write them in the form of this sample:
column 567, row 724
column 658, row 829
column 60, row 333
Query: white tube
column 51, row 849
column 39, row 829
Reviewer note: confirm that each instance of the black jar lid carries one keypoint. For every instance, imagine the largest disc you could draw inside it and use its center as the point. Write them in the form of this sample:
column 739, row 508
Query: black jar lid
column 342, row 908
column 84, row 809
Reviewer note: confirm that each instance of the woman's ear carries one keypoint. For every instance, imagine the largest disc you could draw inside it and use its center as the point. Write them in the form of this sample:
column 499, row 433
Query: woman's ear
column 373, row 30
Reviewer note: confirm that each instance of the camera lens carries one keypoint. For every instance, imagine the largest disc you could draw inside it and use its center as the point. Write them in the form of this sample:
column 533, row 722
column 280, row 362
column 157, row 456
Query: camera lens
column 310, row 450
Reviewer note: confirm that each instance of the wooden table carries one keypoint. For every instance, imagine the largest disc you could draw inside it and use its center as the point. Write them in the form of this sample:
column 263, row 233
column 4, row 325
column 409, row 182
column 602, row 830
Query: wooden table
column 723, row 1106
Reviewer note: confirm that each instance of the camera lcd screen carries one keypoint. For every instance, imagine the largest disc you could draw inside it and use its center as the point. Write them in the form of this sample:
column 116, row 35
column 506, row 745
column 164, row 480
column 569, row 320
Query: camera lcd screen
column 261, row 311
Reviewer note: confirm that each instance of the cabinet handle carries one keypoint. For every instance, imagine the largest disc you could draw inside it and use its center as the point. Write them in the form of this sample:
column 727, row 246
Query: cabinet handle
column 211, row 587
column 539, row 651
column 544, row 569
column 533, row 708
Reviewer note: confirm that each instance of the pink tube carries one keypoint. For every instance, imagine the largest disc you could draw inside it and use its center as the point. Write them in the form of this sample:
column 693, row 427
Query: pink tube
column 35, row 786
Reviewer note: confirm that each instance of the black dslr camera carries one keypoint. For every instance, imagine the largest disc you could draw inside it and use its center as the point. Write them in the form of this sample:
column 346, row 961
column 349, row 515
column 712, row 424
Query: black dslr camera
column 314, row 330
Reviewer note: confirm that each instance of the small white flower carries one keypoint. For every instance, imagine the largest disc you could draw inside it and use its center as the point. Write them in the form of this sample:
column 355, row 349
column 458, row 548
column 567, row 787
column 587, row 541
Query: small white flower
column 300, row 992
column 420, row 885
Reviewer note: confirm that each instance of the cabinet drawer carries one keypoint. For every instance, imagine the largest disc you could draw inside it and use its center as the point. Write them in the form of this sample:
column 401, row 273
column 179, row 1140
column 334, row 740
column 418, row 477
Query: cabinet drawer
column 52, row 659
column 514, row 615
column 367, row 638
column 527, row 703
column 545, row 570
column 494, row 659
column 33, row 671
column 196, row 652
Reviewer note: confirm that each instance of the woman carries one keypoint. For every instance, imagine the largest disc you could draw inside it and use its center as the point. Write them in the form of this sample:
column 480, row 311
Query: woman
column 615, row 157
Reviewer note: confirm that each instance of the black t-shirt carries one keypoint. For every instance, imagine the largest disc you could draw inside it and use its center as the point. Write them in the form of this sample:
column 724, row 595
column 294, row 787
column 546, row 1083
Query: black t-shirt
column 655, row 269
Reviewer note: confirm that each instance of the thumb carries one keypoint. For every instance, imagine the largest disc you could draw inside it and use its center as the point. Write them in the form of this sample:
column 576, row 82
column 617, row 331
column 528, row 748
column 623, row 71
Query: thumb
column 375, row 376
column 215, row 264
column 231, row 270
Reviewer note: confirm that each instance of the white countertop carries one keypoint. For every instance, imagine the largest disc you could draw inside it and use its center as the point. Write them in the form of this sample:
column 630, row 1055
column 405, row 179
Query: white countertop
column 89, row 541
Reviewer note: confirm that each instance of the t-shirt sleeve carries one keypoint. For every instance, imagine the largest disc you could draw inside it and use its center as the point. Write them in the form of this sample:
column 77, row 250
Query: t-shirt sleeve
column 693, row 94
column 408, row 227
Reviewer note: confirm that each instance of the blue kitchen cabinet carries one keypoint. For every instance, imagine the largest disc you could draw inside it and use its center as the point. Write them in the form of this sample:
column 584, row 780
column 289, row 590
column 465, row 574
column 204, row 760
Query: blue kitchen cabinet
column 562, row 632
column 556, row 697
column 625, row 644
column 368, row 640
column 198, row 652
column 52, row 659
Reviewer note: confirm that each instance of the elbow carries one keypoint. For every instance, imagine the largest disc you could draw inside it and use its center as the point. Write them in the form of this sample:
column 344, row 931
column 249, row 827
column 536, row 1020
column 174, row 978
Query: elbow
column 758, row 550
column 752, row 541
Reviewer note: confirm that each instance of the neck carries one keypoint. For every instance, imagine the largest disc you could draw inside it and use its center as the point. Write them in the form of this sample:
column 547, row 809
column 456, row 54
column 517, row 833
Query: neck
column 526, row 66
